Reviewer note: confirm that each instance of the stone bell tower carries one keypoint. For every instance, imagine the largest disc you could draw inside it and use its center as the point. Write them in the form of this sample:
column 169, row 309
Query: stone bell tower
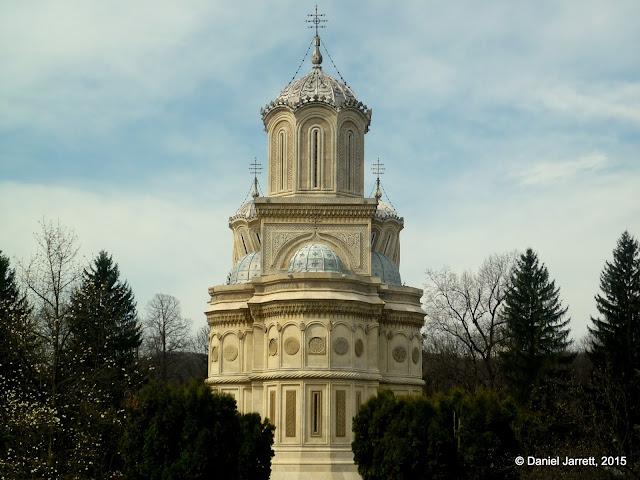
column 314, row 318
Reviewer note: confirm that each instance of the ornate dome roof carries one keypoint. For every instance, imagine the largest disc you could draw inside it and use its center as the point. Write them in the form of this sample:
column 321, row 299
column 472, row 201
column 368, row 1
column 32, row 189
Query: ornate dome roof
column 385, row 211
column 246, row 268
column 315, row 257
column 247, row 210
column 317, row 87
column 385, row 269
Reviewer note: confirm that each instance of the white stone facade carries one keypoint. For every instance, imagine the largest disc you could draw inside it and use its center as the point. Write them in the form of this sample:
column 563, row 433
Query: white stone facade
column 303, row 333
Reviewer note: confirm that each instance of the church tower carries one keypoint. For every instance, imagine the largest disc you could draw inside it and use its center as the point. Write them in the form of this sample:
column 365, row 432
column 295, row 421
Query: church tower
column 314, row 318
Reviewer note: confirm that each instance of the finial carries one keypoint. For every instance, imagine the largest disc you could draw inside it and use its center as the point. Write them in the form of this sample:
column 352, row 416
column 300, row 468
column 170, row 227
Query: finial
column 316, row 20
column 378, row 169
column 255, row 168
column 316, row 58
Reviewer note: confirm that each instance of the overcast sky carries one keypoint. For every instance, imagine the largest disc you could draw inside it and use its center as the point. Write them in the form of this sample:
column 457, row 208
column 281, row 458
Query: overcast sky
column 502, row 125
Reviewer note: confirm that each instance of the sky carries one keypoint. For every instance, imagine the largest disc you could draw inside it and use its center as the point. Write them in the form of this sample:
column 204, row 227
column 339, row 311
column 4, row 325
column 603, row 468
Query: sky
column 502, row 125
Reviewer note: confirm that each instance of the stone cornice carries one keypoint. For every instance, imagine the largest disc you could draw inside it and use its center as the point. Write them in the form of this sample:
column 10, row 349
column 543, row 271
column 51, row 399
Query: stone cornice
column 402, row 381
column 321, row 307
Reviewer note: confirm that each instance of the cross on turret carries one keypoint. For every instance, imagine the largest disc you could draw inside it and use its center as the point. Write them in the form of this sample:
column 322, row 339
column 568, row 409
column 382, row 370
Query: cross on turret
column 316, row 20
column 378, row 169
column 255, row 168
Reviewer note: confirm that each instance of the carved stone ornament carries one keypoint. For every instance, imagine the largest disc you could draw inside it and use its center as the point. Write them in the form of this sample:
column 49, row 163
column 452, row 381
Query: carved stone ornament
column 341, row 345
column 359, row 347
column 291, row 345
column 273, row 346
column 214, row 354
column 230, row 353
column 415, row 355
column 316, row 346
column 399, row 354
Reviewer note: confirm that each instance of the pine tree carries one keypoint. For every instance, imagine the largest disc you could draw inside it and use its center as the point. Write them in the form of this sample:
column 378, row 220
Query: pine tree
column 25, row 416
column 615, row 345
column 616, row 334
column 100, row 368
column 536, row 333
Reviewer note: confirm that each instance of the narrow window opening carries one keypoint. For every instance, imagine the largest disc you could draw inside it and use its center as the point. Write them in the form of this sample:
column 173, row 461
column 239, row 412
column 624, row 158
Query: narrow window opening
column 316, row 413
column 272, row 407
column 386, row 247
column 281, row 149
column 244, row 244
column 258, row 237
column 373, row 238
column 349, row 158
column 315, row 158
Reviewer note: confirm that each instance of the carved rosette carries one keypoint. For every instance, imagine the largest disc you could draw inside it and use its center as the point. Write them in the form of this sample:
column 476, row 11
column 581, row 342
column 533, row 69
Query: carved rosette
column 214, row 354
column 341, row 346
column 415, row 355
column 230, row 353
column 359, row 347
column 316, row 346
column 273, row 347
column 399, row 354
column 291, row 345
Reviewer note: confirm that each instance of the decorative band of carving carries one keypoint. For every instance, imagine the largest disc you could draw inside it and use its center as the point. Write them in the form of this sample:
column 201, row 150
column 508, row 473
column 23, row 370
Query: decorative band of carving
column 306, row 374
column 229, row 318
column 227, row 379
column 402, row 381
column 322, row 307
column 403, row 318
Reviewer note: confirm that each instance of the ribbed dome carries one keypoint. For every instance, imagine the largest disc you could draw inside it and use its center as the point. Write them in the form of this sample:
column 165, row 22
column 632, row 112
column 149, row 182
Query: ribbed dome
column 385, row 211
column 385, row 269
column 247, row 210
column 315, row 257
column 246, row 268
column 317, row 87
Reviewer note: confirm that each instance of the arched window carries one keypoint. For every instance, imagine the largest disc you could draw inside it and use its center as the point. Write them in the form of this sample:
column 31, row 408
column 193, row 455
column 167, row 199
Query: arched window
column 281, row 159
column 315, row 160
column 350, row 155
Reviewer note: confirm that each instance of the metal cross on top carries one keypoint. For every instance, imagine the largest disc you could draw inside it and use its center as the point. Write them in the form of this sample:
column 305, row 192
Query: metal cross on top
column 378, row 169
column 316, row 20
column 255, row 168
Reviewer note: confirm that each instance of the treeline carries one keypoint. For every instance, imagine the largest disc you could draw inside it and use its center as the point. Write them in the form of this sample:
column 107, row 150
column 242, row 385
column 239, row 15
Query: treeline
column 504, row 380
column 90, row 389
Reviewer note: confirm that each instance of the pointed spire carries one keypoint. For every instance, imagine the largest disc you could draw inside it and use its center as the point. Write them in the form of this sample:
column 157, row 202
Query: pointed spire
column 255, row 168
column 378, row 169
column 316, row 58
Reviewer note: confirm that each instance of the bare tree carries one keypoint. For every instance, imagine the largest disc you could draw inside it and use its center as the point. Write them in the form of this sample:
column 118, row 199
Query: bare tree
column 50, row 278
column 167, row 332
column 466, row 309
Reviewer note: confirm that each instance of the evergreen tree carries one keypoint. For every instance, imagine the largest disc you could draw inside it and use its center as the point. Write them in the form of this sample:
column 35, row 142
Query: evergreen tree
column 615, row 345
column 25, row 416
column 536, row 333
column 100, row 368
column 616, row 333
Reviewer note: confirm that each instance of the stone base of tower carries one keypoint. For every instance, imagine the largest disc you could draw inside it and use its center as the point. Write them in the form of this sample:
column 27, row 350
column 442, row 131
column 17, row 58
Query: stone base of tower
column 317, row 464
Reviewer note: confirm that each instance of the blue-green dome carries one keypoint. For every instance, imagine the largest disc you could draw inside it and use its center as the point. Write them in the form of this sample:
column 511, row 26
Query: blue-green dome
column 246, row 268
column 315, row 257
column 385, row 269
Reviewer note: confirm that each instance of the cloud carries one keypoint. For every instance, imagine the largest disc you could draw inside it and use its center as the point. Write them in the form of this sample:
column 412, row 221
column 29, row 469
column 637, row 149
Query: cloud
column 161, row 246
column 546, row 173
column 594, row 102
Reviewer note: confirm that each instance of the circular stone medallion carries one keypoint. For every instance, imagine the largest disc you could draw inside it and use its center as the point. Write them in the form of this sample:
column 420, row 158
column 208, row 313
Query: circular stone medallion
column 230, row 353
column 291, row 345
column 399, row 354
column 316, row 346
column 415, row 355
column 341, row 345
column 273, row 346
column 359, row 348
column 214, row 354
